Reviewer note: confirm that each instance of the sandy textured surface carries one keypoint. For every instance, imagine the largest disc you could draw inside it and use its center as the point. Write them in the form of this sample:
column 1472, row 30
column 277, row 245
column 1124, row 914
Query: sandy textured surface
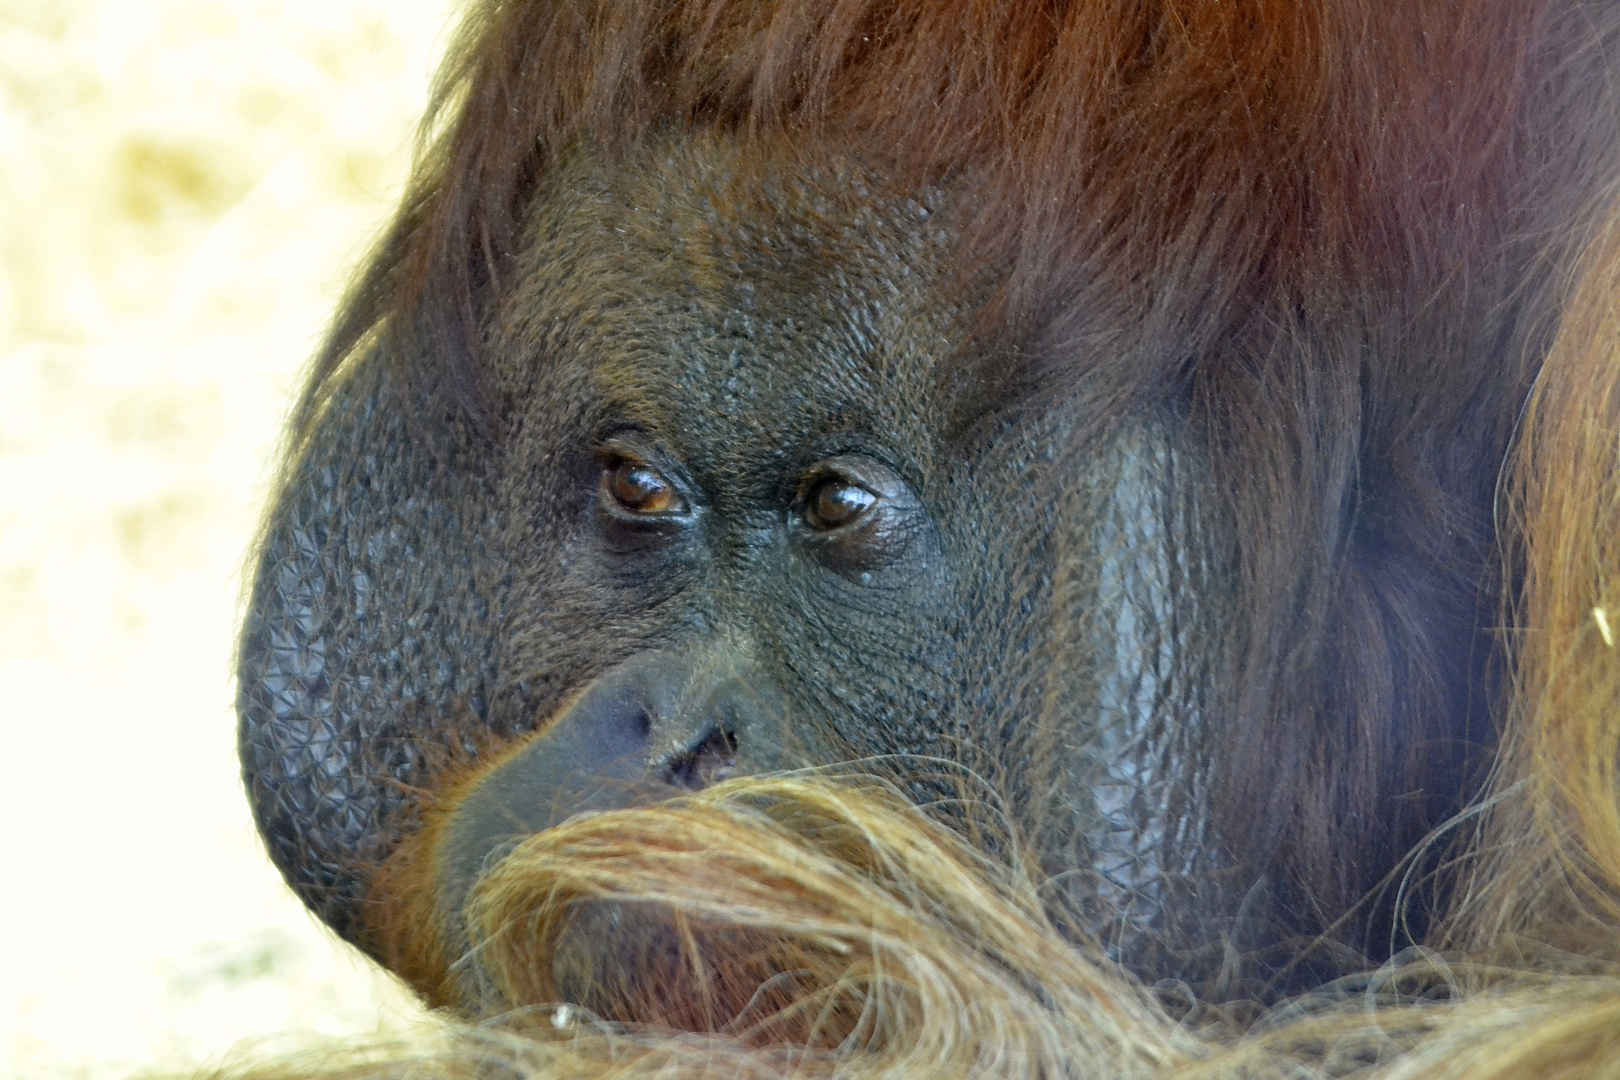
column 183, row 185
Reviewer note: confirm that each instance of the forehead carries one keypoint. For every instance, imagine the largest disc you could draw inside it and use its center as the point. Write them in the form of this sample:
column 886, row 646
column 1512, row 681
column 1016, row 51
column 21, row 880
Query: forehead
column 701, row 291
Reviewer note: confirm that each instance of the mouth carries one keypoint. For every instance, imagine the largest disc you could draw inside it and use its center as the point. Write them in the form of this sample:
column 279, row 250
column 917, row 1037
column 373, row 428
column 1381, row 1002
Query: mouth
column 784, row 910
column 743, row 908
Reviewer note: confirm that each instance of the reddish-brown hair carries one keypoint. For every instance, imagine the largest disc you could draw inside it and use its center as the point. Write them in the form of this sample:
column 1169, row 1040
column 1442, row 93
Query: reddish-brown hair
column 1214, row 154
column 1365, row 246
column 1337, row 234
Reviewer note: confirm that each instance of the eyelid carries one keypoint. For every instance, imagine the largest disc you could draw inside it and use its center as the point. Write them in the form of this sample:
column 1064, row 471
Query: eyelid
column 874, row 478
column 820, row 475
column 624, row 445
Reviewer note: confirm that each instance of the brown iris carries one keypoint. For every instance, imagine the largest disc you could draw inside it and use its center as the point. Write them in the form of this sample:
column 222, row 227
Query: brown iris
column 835, row 502
column 642, row 489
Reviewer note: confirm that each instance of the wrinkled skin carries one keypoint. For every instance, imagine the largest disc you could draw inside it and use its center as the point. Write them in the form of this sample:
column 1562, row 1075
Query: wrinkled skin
column 1029, row 594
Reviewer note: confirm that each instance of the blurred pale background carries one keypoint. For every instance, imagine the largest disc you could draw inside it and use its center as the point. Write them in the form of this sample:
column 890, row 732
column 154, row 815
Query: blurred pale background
column 184, row 186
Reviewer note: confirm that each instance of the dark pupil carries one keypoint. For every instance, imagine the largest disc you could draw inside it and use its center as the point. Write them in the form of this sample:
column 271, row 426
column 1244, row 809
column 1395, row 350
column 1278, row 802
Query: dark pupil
column 640, row 488
column 834, row 503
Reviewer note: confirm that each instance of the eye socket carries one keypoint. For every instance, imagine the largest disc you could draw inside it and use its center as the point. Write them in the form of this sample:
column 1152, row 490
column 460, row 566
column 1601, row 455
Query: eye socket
column 835, row 502
column 855, row 515
column 641, row 489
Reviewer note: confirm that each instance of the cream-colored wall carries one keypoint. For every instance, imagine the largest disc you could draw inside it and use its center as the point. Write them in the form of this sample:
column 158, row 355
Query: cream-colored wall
column 183, row 184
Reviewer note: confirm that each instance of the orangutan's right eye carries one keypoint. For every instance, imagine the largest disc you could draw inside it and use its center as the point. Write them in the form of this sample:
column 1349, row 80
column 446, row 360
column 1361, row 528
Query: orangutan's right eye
column 642, row 489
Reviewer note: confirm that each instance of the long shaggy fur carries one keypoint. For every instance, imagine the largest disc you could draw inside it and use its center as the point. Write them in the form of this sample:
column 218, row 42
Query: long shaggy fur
column 1257, row 190
column 1310, row 222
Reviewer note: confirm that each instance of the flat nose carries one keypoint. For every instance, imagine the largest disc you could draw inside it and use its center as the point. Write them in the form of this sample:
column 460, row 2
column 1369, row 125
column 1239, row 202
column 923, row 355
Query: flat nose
column 711, row 759
column 664, row 719
column 655, row 723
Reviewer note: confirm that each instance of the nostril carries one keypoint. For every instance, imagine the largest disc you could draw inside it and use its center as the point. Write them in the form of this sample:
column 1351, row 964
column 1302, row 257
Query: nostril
column 709, row 762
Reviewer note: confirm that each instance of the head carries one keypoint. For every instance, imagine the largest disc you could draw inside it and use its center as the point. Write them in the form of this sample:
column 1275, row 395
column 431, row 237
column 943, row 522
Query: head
column 675, row 438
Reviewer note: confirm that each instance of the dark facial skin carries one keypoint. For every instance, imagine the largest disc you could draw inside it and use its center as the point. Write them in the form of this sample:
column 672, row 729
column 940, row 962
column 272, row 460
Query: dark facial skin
column 756, row 502
column 756, row 368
